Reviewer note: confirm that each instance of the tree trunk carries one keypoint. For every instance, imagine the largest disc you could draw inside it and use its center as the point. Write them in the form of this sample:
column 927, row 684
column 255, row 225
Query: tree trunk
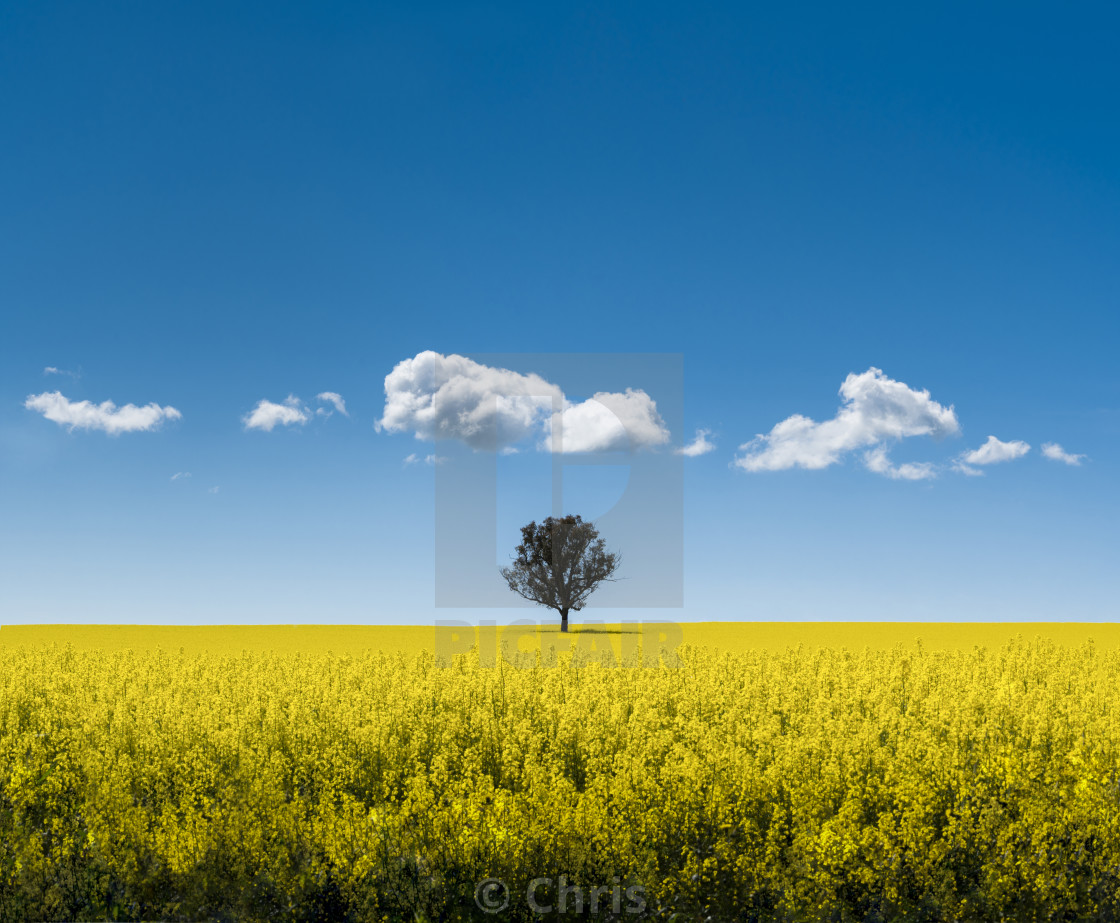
column 564, row 620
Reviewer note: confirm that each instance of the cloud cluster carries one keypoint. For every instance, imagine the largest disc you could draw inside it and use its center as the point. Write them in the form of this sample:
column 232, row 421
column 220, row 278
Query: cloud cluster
column 453, row 397
column 105, row 416
column 875, row 410
column 267, row 415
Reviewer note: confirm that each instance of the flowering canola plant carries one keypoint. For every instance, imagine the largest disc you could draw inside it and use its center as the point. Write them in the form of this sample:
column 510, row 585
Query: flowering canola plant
column 807, row 783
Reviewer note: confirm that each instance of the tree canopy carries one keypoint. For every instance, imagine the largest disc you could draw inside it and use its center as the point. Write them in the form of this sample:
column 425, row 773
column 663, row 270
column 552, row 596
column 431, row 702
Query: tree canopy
column 559, row 564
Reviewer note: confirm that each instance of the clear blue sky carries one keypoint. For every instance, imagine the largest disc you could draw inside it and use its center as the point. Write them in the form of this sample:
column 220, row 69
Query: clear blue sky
column 207, row 205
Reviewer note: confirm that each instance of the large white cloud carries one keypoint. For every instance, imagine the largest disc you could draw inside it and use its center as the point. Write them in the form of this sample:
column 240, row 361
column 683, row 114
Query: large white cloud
column 875, row 410
column 267, row 415
column 105, row 416
column 453, row 397
column 604, row 422
column 1055, row 452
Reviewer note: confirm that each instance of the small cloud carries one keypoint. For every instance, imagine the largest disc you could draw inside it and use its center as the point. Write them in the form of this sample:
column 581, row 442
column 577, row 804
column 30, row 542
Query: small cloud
column 180, row 474
column 213, row 490
column 52, row 370
column 509, row 450
column 105, row 416
column 993, row 452
column 333, row 398
column 701, row 445
column 267, row 415
column 961, row 468
column 414, row 459
column 1055, row 452
column 878, row 461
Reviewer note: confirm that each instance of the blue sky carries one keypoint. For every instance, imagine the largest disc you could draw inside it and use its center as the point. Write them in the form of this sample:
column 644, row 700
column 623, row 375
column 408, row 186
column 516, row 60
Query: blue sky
column 206, row 206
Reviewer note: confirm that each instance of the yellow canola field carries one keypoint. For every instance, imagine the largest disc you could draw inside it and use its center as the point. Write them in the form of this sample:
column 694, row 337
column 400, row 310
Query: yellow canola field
column 242, row 779
column 414, row 639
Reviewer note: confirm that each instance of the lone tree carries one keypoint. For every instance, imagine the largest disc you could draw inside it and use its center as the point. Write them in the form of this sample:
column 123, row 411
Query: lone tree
column 559, row 563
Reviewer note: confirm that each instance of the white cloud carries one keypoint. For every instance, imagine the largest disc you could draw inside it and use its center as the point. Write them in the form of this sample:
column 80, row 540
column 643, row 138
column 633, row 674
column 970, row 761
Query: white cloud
column 606, row 422
column 1055, row 452
column 180, row 474
column 105, row 416
column 267, row 415
column 875, row 409
column 453, row 397
column 52, row 370
column 994, row 451
column 213, row 490
column 333, row 398
column 961, row 468
column 414, row 459
column 701, row 445
column 877, row 460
